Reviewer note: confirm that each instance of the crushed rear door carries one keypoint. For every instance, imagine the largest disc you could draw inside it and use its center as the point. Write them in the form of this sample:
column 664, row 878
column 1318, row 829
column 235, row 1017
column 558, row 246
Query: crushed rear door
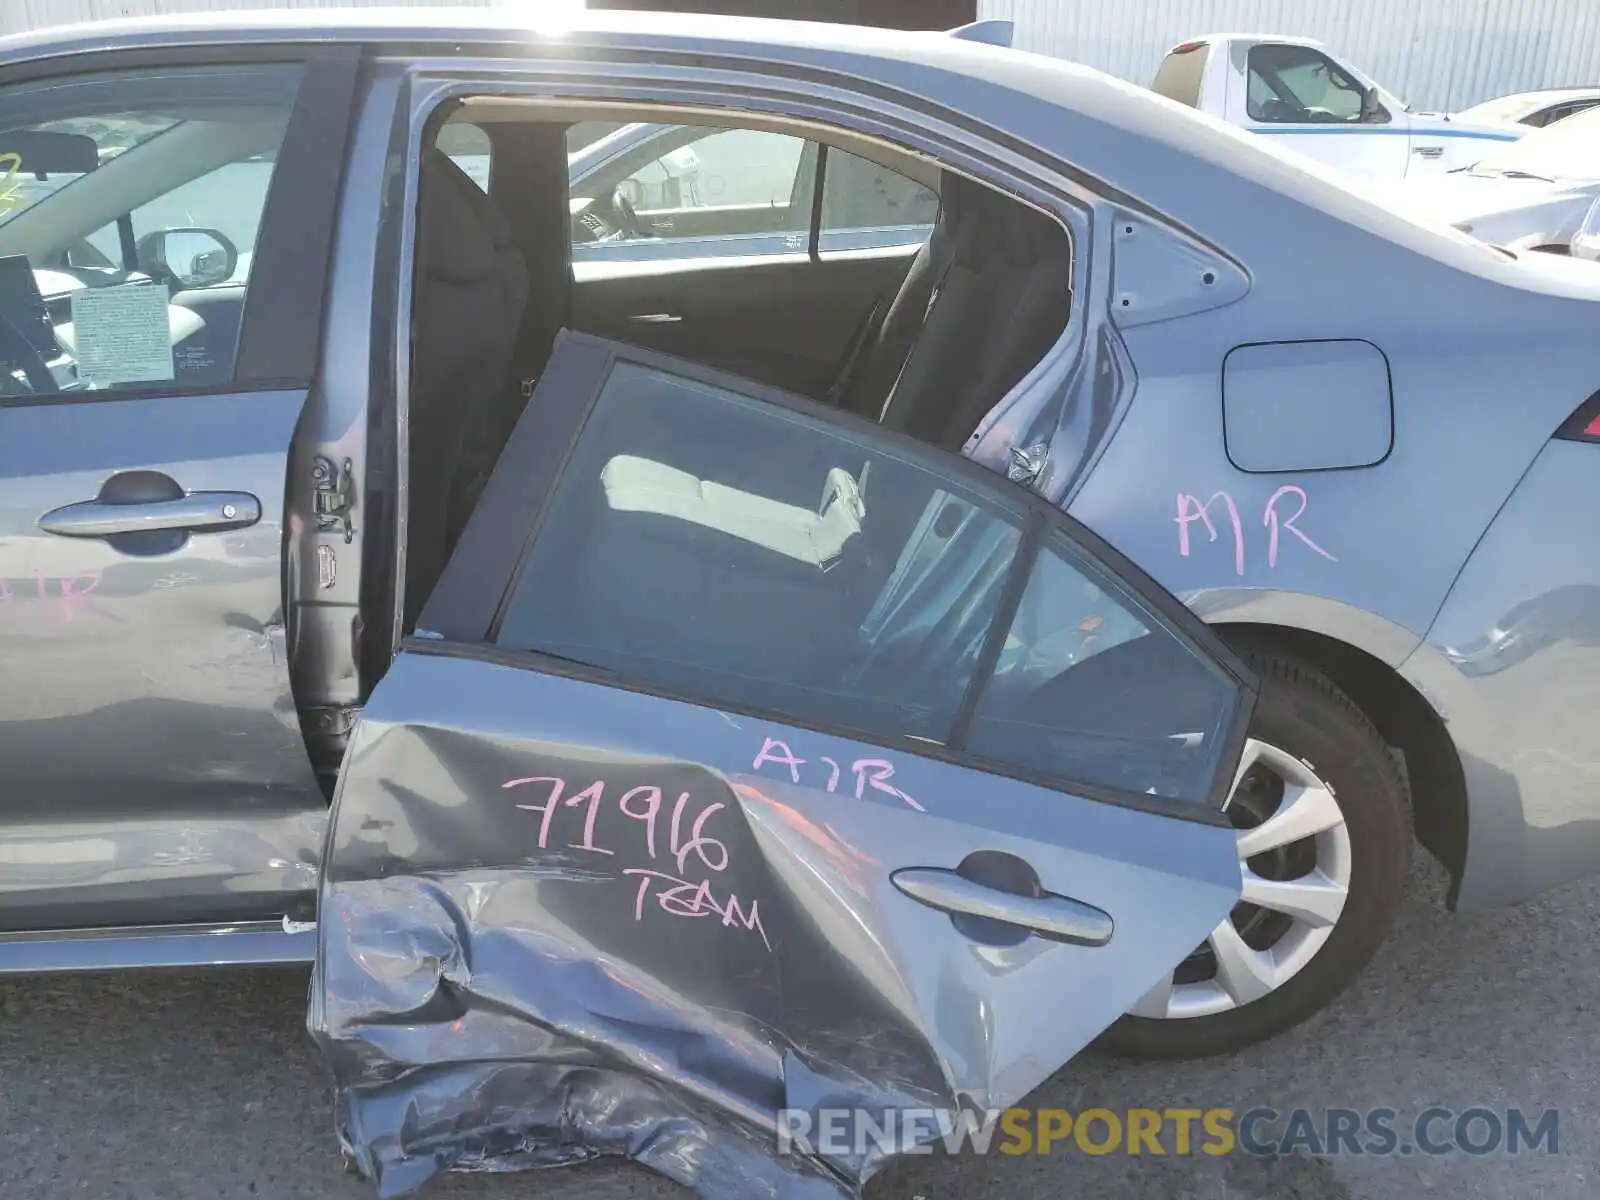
column 571, row 910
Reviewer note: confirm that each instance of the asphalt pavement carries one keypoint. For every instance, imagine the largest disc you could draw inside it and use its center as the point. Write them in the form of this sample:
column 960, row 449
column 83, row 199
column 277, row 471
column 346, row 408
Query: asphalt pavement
column 204, row 1086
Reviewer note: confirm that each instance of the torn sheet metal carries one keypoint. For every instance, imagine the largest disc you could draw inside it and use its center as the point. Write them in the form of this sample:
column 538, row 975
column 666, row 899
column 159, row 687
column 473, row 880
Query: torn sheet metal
column 545, row 937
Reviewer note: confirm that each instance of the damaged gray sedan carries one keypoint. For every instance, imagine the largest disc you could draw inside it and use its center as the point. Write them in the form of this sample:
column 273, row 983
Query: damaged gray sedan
column 646, row 623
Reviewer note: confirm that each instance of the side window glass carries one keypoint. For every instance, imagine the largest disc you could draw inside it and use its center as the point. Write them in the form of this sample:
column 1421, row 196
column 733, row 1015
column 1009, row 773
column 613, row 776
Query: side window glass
column 1295, row 85
column 468, row 147
column 681, row 191
column 865, row 205
column 129, row 210
column 1090, row 688
column 719, row 547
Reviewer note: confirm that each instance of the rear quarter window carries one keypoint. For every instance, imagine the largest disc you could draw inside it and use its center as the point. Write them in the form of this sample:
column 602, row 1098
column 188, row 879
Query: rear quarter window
column 1178, row 78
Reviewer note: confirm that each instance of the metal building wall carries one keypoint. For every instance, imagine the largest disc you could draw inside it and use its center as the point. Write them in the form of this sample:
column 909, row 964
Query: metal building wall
column 19, row 15
column 1436, row 54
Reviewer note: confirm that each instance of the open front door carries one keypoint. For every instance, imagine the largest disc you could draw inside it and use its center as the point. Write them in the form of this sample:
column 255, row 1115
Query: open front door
column 696, row 800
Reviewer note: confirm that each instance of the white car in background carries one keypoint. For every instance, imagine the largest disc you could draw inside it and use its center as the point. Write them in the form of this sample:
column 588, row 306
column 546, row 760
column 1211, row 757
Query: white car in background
column 1532, row 194
column 1541, row 108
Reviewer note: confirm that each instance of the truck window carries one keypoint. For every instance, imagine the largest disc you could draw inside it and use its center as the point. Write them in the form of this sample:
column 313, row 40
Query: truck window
column 1299, row 85
column 1179, row 76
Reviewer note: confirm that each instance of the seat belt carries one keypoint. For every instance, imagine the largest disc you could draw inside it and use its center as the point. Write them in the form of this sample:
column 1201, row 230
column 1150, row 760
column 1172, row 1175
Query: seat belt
column 865, row 332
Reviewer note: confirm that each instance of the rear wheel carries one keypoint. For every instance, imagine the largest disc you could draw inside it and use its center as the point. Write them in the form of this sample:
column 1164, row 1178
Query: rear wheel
column 1324, row 835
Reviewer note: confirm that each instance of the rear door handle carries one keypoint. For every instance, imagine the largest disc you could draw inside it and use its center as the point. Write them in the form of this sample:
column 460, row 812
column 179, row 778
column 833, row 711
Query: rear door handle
column 198, row 512
column 656, row 318
column 1059, row 918
column 1429, row 151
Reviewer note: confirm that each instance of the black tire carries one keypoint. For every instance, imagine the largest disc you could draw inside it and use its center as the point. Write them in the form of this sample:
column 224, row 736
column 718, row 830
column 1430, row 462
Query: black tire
column 1303, row 712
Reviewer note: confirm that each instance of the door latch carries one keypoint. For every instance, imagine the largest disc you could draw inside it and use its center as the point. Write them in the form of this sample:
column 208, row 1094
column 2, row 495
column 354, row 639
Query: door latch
column 333, row 496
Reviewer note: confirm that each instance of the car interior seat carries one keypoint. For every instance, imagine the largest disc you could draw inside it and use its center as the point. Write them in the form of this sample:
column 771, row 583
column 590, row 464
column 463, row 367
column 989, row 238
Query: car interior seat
column 982, row 303
column 471, row 287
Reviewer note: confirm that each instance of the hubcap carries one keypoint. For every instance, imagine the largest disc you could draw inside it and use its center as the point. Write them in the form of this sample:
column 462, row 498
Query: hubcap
column 1294, row 856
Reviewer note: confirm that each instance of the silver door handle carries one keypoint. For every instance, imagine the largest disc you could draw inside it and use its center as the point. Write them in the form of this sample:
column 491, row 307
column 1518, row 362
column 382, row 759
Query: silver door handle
column 661, row 318
column 1059, row 918
column 213, row 511
column 1429, row 151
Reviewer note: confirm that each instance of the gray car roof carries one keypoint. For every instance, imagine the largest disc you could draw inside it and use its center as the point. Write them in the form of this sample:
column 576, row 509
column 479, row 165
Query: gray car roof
column 454, row 24
column 1125, row 136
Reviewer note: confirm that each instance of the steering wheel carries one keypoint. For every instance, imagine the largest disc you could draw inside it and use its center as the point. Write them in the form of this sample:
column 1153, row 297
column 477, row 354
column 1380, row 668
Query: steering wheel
column 627, row 219
column 15, row 347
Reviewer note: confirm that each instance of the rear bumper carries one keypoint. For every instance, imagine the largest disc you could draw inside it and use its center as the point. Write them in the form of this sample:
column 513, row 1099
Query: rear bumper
column 1512, row 663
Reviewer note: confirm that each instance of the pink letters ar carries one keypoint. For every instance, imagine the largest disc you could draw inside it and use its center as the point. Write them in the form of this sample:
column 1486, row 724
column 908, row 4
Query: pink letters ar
column 869, row 772
column 1190, row 510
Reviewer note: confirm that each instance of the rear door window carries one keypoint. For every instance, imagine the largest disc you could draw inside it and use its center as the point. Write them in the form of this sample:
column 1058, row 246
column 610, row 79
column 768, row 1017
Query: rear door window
column 713, row 545
column 708, row 539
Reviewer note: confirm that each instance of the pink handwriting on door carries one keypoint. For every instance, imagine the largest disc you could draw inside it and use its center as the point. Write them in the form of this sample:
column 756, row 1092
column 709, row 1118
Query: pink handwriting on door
column 69, row 591
column 681, row 898
column 873, row 773
column 1286, row 506
column 677, row 839
column 641, row 804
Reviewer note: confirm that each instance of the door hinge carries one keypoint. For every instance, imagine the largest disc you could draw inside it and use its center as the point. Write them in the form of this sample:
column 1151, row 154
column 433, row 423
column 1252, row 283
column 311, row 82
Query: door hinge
column 1027, row 463
column 333, row 496
column 327, row 733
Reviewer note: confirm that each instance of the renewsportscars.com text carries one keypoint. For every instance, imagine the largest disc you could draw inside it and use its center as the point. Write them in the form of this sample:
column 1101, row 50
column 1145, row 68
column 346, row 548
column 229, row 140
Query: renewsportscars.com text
column 1260, row 1132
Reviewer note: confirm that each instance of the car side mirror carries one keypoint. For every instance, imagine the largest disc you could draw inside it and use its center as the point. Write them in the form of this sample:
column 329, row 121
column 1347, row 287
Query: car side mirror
column 1371, row 107
column 192, row 258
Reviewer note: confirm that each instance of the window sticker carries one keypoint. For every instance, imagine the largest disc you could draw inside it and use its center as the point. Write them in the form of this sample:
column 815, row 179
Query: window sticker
column 122, row 334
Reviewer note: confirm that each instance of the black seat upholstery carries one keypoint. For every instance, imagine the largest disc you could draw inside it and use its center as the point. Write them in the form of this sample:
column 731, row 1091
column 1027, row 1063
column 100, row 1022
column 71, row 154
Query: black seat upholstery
column 471, row 287
column 981, row 305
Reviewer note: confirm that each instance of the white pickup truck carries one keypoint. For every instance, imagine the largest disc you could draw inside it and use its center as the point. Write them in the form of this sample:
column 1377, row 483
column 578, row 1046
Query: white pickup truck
column 1296, row 91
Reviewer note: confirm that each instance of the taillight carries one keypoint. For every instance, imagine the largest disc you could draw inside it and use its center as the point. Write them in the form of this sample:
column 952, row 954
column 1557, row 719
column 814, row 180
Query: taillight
column 1584, row 424
column 1187, row 48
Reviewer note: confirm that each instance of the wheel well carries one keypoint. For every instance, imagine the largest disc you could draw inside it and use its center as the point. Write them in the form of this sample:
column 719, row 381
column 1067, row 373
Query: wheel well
column 1406, row 721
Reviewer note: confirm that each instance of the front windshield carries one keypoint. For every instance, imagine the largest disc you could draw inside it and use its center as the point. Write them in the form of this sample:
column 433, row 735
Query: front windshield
column 1569, row 149
column 113, row 135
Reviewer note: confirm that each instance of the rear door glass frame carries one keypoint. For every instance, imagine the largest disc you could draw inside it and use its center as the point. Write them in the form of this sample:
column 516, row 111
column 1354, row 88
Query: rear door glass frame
column 463, row 611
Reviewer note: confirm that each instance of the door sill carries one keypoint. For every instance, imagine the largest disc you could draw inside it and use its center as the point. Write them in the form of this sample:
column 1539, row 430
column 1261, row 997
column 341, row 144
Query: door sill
column 231, row 944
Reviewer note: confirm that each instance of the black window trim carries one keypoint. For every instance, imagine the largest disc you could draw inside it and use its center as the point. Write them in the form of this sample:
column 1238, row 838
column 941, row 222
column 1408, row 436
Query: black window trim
column 463, row 613
column 280, row 330
column 819, row 184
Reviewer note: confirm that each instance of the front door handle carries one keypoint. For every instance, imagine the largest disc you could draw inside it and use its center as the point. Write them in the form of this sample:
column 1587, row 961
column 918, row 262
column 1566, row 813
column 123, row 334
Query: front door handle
column 1059, row 918
column 1429, row 151
column 198, row 512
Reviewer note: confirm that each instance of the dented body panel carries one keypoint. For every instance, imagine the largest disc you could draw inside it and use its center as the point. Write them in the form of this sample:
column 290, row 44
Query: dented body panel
column 561, row 919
